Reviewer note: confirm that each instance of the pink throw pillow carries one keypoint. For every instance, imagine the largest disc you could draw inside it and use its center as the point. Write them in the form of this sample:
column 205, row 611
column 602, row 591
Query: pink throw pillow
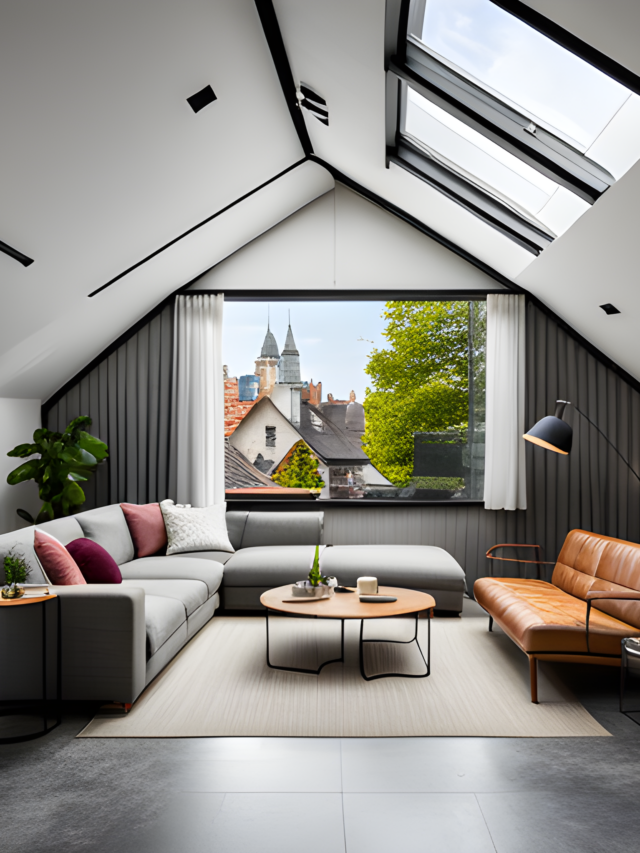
column 146, row 526
column 58, row 564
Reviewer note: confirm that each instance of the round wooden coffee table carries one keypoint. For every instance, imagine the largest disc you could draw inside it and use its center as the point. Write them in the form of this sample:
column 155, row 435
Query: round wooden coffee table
column 348, row 606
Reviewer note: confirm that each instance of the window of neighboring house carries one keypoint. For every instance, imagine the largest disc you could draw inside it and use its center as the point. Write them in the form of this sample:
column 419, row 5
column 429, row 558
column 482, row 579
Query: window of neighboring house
column 506, row 121
column 372, row 400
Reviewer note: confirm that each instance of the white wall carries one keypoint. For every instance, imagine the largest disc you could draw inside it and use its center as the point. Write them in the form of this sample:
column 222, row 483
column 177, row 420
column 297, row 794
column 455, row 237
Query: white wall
column 18, row 420
column 345, row 242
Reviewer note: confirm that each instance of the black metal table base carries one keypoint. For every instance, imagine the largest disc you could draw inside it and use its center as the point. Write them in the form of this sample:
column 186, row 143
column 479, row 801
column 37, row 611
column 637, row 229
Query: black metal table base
column 362, row 641
column 22, row 707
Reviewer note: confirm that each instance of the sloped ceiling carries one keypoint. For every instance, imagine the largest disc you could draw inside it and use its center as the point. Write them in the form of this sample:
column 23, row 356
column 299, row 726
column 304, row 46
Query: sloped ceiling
column 104, row 163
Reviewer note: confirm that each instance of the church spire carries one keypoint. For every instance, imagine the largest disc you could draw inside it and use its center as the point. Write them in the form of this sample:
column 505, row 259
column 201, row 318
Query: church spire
column 289, row 366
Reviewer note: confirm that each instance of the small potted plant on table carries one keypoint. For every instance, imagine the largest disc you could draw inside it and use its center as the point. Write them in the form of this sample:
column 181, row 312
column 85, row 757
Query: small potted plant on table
column 317, row 585
column 16, row 571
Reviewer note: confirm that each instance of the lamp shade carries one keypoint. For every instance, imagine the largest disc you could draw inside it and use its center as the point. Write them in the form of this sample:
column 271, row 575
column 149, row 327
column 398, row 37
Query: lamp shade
column 551, row 433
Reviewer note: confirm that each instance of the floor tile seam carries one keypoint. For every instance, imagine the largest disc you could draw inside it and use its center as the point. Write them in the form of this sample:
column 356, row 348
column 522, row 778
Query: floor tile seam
column 344, row 823
column 493, row 844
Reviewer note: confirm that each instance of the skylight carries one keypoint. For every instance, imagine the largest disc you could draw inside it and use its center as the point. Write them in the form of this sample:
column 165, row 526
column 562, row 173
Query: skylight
column 488, row 166
column 554, row 87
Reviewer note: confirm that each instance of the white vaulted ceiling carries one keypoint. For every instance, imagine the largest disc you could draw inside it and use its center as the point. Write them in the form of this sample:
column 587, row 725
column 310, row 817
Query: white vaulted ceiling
column 104, row 163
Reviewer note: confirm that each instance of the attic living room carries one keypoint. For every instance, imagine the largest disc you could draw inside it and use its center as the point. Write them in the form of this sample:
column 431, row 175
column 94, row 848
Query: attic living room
column 320, row 397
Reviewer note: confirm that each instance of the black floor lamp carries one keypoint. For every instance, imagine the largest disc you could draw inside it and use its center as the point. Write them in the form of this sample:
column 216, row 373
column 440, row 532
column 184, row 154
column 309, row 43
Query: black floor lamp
column 553, row 433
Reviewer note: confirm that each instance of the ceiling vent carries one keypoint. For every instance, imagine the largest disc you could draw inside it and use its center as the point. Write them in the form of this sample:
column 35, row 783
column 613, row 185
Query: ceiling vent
column 608, row 308
column 15, row 254
column 311, row 101
column 201, row 99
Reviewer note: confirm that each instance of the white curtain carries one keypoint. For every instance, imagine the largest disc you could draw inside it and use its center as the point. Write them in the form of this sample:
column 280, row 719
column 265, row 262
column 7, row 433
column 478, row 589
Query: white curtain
column 198, row 399
column 505, row 484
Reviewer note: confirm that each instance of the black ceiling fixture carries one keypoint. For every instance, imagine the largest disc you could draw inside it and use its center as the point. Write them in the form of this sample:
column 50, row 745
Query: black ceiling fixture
column 202, row 99
column 608, row 308
column 313, row 102
column 15, row 254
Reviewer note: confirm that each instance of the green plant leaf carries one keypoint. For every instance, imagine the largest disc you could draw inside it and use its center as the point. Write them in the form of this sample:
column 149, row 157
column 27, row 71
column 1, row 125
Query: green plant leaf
column 93, row 445
column 26, row 471
column 22, row 513
column 24, row 450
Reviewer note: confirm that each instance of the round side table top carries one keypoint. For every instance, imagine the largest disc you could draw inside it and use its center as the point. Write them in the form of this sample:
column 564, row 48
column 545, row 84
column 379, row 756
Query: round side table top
column 348, row 606
column 26, row 599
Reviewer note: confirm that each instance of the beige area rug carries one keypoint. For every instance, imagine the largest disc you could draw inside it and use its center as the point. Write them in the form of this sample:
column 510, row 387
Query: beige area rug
column 220, row 685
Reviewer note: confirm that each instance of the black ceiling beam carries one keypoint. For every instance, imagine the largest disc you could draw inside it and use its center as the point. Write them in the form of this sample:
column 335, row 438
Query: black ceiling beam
column 271, row 28
column 571, row 42
column 15, row 254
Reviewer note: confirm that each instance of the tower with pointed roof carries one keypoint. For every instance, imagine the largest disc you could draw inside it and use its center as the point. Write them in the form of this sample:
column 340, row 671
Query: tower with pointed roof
column 289, row 366
column 267, row 363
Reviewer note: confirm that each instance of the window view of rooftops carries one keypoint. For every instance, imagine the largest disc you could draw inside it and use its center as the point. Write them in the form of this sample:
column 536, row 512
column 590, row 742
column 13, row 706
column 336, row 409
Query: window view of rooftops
column 352, row 400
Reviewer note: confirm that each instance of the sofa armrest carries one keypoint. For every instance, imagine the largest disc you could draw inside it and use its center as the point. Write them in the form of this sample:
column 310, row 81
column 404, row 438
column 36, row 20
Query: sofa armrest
column 103, row 642
column 606, row 595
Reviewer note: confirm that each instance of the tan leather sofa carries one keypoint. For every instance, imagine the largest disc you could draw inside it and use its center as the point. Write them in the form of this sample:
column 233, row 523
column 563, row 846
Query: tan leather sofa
column 592, row 602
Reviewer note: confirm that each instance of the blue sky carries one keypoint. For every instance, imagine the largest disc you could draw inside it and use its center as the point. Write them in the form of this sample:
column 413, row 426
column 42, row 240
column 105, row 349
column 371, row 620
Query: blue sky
column 334, row 339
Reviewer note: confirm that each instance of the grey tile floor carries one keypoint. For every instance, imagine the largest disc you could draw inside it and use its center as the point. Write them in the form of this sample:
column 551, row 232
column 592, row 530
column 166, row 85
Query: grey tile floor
column 257, row 795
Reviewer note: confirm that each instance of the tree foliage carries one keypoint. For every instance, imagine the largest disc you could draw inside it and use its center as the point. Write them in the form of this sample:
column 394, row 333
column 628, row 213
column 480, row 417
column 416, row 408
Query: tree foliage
column 420, row 381
column 301, row 472
column 64, row 460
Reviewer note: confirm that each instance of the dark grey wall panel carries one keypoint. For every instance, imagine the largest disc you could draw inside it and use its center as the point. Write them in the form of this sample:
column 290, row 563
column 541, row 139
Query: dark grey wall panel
column 128, row 396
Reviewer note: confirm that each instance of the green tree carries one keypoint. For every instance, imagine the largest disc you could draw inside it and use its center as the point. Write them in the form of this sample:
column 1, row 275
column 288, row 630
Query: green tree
column 301, row 471
column 420, row 381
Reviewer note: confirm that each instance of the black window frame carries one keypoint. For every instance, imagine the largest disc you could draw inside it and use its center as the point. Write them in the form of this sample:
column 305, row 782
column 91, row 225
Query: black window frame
column 259, row 503
column 411, row 66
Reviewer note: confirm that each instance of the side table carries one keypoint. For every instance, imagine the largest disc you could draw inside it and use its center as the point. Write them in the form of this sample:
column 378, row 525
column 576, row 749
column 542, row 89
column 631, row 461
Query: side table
column 44, row 602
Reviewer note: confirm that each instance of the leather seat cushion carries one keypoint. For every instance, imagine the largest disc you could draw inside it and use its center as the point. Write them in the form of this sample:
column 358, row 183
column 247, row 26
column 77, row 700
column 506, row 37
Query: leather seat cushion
column 539, row 617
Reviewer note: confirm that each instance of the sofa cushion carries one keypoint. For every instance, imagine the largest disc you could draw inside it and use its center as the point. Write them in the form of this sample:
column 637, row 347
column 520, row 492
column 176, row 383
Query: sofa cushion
column 175, row 568
column 539, row 617
column 146, row 526
column 410, row 566
column 236, row 521
column 64, row 529
column 287, row 528
column 218, row 556
column 163, row 616
column 191, row 594
column 96, row 564
column 57, row 563
column 107, row 526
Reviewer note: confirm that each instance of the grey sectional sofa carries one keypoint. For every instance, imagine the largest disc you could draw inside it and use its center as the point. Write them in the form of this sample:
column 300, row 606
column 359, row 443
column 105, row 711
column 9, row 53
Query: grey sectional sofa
column 117, row 638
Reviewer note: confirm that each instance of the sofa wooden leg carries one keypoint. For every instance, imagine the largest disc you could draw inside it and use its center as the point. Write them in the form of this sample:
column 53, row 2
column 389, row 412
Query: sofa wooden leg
column 490, row 623
column 533, row 670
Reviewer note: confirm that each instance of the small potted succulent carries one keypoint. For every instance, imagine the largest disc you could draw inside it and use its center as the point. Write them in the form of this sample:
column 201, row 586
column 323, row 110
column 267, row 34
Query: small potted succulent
column 16, row 571
column 317, row 585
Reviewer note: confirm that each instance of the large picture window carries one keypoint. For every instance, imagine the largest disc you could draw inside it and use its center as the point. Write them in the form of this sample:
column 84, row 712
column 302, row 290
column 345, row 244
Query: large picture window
column 355, row 400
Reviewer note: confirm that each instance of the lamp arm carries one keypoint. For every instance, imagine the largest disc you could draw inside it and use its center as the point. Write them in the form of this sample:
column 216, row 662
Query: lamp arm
column 595, row 426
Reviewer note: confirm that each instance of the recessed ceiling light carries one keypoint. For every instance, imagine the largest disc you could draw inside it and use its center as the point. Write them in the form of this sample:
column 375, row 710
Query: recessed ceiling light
column 608, row 308
column 201, row 99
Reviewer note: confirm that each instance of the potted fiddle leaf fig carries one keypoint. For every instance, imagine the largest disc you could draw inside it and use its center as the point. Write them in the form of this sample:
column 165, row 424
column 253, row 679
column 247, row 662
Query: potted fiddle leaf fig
column 63, row 461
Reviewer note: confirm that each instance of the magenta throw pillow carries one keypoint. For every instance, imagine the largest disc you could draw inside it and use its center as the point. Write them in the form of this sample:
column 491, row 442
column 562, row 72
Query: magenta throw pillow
column 96, row 564
column 146, row 526
column 58, row 564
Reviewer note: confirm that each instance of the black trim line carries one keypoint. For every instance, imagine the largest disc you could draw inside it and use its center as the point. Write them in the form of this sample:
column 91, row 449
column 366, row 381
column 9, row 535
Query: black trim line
column 570, row 41
column 15, row 254
column 273, row 35
column 415, row 223
column 199, row 225
column 352, row 295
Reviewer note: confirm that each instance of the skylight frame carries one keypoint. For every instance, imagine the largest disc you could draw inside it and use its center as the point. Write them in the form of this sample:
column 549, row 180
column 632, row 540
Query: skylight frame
column 495, row 118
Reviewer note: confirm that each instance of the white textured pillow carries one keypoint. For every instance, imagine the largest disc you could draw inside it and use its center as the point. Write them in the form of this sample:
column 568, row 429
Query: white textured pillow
column 192, row 528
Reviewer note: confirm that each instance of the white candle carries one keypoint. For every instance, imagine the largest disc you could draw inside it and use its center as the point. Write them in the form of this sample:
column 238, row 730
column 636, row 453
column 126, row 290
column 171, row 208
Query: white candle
column 367, row 586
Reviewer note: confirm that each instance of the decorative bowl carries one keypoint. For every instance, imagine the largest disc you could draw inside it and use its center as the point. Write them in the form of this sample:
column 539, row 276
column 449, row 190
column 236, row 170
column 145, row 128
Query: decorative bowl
column 12, row 592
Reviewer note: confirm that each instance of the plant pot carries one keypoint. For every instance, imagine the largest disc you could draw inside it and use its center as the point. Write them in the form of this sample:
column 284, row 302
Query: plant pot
column 12, row 592
column 309, row 591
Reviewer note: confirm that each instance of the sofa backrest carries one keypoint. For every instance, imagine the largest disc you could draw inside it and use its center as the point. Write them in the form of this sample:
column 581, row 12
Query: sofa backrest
column 275, row 528
column 589, row 561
